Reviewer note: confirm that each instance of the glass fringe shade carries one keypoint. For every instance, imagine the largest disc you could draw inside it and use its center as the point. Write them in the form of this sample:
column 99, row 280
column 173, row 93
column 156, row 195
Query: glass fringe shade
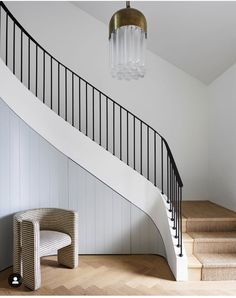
column 127, row 46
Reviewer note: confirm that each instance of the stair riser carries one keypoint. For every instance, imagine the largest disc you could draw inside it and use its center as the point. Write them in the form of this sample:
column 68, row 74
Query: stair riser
column 210, row 274
column 215, row 247
column 194, row 274
column 211, row 226
column 188, row 248
column 184, row 225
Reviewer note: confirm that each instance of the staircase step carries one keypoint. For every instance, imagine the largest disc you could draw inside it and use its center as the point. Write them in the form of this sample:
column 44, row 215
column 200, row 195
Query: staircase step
column 205, row 216
column 211, row 225
column 214, row 242
column 184, row 224
column 188, row 244
column 194, row 268
column 193, row 262
column 218, row 266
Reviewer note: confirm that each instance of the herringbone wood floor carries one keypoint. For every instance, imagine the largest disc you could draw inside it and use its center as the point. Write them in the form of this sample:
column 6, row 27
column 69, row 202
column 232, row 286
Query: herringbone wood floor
column 115, row 275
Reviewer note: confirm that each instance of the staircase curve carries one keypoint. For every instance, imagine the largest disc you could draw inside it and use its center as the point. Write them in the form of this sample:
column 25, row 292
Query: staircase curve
column 94, row 131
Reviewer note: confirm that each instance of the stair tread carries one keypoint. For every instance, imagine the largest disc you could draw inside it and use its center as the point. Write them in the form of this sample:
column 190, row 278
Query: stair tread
column 213, row 236
column 187, row 238
column 214, row 260
column 193, row 262
column 206, row 210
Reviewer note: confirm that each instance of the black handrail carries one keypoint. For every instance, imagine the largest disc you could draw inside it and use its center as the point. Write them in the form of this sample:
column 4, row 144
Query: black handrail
column 126, row 133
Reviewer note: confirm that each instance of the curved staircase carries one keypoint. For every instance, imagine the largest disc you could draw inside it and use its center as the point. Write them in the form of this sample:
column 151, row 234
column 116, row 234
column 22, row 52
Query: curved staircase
column 94, row 131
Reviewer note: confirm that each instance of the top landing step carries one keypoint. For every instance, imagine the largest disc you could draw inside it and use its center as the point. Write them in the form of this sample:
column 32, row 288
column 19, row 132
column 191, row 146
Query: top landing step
column 206, row 210
column 205, row 216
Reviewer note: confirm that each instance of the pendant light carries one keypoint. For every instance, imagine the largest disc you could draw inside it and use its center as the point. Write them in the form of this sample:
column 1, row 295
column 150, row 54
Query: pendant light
column 127, row 43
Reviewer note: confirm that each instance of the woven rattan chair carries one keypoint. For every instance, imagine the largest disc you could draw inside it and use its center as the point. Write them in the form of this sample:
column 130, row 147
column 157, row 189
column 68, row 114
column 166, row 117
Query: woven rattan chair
column 42, row 232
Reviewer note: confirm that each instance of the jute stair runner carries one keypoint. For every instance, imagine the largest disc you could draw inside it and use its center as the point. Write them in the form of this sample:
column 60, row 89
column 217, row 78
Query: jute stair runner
column 213, row 230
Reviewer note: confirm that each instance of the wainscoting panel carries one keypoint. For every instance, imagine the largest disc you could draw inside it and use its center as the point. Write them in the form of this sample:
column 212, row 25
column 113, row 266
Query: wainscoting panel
column 34, row 174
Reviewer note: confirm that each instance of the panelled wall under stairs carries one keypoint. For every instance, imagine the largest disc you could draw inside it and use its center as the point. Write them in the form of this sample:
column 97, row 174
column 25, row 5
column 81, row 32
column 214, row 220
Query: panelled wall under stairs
column 35, row 174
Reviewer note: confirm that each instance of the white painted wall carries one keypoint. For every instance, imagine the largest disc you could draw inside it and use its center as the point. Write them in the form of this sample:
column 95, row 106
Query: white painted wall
column 222, row 139
column 171, row 101
column 34, row 174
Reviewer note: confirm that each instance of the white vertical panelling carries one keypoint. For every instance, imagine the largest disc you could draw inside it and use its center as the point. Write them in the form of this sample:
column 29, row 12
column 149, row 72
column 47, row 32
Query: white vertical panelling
column 44, row 176
column 58, row 179
column 120, row 224
column 144, row 238
column 90, row 211
column 34, row 174
column 34, row 157
column 100, row 219
column 25, row 166
column 14, row 160
column 77, row 201
column 105, row 195
column 5, row 202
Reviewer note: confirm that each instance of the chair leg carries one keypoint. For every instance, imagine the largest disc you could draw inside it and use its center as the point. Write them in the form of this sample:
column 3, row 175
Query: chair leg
column 30, row 255
column 68, row 256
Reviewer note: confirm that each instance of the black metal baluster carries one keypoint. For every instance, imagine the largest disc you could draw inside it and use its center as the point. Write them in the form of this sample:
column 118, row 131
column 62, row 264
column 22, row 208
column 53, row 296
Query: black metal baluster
column 134, row 139
column 29, row 63
column 141, row 148
column 66, row 107
column 6, row 39
column 178, row 235
column 100, row 119
column 86, row 108
column 106, row 123
column 21, row 56
column 93, row 114
column 162, row 182
column 120, row 133
column 172, row 212
column 177, row 210
column 173, row 196
column 174, row 202
column 180, row 225
column 43, row 76
column 0, row 29
column 73, row 101
column 155, row 159
column 79, row 104
column 127, row 138
column 36, row 71
column 167, row 179
column 171, row 182
column 114, row 130
column 14, row 48
column 51, row 83
column 58, row 95
column 176, row 206
column 147, row 152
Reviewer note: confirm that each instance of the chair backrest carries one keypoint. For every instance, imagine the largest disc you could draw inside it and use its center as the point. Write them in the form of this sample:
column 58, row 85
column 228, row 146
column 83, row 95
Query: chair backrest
column 49, row 218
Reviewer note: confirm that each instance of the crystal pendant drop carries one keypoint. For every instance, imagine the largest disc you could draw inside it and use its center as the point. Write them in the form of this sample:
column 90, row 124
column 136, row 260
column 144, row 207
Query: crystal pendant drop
column 127, row 44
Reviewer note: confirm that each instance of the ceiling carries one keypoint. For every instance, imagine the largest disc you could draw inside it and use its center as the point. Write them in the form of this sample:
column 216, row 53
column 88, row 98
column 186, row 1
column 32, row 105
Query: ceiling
column 198, row 37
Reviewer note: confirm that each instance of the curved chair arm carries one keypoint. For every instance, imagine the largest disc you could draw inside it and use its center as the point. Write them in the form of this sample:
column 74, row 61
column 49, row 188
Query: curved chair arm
column 31, row 253
column 68, row 256
column 17, row 240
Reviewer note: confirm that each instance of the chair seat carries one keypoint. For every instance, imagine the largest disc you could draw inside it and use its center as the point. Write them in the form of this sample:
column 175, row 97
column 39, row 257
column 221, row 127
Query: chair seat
column 51, row 241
